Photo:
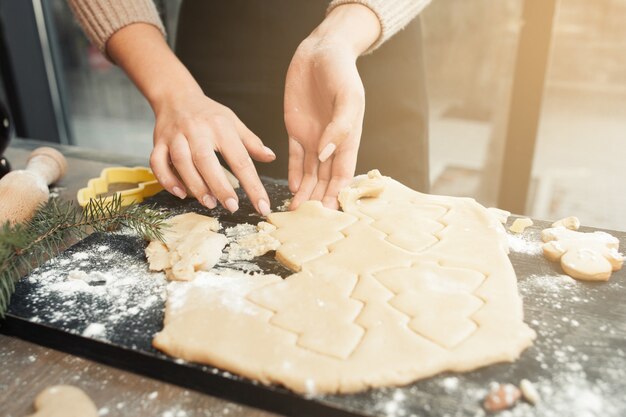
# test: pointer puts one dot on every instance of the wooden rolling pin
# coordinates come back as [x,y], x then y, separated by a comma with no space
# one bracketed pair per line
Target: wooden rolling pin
[22,191]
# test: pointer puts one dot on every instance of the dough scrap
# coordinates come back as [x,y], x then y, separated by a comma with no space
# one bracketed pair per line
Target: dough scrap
[570,222]
[251,245]
[190,244]
[64,401]
[519,225]
[585,256]
[397,287]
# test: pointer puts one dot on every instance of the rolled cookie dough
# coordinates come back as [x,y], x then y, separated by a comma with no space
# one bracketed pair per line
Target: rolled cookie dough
[190,244]
[64,401]
[397,287]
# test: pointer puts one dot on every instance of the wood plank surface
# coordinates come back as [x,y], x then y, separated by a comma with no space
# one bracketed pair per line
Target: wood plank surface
[27,369]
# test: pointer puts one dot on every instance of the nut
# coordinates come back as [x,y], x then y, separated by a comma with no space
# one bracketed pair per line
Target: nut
[529,392]
[501,397]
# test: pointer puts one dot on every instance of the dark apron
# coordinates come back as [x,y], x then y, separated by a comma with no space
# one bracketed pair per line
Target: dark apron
[239,52]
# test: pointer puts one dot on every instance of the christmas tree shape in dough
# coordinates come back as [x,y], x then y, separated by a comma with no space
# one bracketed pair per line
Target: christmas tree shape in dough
[397,287]
[333,331]
[439,300]
[306,233]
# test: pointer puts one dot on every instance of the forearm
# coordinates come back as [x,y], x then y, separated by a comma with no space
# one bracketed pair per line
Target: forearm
[353,25]
[101,19]
[141,51]
[393,15]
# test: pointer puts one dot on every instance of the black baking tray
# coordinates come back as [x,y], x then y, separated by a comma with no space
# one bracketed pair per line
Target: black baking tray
[578,361]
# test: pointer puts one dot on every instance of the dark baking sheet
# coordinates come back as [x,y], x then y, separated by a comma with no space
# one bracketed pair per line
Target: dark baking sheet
[578,361]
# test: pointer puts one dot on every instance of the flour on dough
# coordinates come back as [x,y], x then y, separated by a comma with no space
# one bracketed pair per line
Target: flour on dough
[397,287]
[64,401]
[501,215]
[190,244]
[586,256]
[256,242]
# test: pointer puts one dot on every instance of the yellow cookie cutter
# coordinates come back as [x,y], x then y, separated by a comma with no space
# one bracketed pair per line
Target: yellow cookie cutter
[147,185]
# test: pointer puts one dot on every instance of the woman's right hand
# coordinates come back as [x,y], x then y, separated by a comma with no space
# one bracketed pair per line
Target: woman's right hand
[190,128]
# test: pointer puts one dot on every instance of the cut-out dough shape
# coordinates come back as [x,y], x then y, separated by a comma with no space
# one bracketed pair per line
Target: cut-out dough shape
[306,233]
[438,299]
[370,305]
[190,244]
[586,256]
[64,401]
[324,319]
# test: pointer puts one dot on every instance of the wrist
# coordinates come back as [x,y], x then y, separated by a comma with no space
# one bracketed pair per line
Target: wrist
[171,93]
[353,26]
[140,49]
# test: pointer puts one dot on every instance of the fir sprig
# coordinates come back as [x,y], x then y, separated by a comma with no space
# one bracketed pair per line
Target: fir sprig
[55,224]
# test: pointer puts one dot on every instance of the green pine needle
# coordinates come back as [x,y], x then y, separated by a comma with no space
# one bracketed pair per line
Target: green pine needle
[55,224]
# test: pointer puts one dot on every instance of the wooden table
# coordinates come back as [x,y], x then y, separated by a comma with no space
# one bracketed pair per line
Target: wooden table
[28,368]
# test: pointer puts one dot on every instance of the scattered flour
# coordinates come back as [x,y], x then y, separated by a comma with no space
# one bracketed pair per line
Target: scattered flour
[247,241]
[99,286]
[284,206]
[521,243]
[95,330]
[228,283]
[450,383]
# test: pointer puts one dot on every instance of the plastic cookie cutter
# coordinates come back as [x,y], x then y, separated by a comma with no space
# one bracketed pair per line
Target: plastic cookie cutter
[117,180]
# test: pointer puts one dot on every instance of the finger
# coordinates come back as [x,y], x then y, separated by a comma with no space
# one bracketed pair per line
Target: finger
[253,144]
[209,167]
[160,164]
[347,117]
[295,169]
[309,180]
[181,156]
[323,178]
[344,165]
[238,159]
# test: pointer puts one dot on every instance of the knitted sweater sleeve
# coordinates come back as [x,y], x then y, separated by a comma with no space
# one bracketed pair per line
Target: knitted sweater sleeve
[393,15]
[101,19]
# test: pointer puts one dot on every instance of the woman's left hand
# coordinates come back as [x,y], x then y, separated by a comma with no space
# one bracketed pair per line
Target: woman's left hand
[325,104]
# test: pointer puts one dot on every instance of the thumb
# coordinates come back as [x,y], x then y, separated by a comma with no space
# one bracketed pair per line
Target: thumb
[342,126]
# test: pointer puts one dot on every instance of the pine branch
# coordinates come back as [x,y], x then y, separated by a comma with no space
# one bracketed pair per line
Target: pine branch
[23,246]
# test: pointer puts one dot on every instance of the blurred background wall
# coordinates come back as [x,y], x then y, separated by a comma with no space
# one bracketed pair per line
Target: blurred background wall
[471,51]
[581,142]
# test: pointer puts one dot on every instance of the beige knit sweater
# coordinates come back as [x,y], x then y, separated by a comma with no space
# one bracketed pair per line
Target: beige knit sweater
[101,19]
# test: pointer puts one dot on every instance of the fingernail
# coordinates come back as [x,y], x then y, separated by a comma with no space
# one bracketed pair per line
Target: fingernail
[269,151]
[327,152]
[209,201]
[231,205]
[178,192]
[264,207]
